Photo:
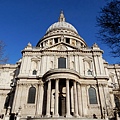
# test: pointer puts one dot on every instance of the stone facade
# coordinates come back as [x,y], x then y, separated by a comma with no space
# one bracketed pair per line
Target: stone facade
[60,78]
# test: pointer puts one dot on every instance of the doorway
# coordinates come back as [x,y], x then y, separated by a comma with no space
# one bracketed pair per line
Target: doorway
[62,105]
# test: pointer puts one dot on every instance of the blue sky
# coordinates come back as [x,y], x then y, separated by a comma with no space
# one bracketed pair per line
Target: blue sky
[23,21]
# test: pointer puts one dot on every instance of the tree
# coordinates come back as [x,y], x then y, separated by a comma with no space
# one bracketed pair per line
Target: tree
[109,26]
[3,58]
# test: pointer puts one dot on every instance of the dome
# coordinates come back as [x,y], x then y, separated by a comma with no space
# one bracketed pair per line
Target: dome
[61,24]
[61,32]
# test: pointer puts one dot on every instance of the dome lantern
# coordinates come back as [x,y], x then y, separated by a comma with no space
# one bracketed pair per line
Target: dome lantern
[61,18]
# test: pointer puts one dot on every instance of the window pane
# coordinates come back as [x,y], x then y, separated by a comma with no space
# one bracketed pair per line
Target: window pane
[92,96]
[56,40]
[67,40]
[34,72]
[61,62]
[89,72]
[31,95]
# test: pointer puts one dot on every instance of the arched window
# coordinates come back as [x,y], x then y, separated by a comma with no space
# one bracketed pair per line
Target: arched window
[61,62]
[89,72]
[92,95]
[31,95]
[34,72]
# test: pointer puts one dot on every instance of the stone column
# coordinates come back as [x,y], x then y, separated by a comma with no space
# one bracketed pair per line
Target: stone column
[52,101]
[79,99]
[75,100]
[53,42]
[67,99]
[72,100]
[48,99]
[40,99]
[56,98]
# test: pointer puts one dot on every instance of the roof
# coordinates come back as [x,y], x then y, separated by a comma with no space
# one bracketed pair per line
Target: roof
[61,24]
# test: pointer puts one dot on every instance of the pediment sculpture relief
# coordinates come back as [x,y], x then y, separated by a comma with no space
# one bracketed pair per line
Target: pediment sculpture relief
[62,47]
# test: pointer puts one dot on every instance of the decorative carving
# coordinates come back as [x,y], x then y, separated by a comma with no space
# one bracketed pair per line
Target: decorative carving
[36,59]
[27,84]
[73,43]
[29,106]
[89,59]
[62,47]
[50,42]
[110,113]
[95,45]
[62,38]
[93,106]
[40,82]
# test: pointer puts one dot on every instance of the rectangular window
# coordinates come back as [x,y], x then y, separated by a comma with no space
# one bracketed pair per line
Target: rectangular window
[56,40]
[68,40]
[61,62]
[42,45]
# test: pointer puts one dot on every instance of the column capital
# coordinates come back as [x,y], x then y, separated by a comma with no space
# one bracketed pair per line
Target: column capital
[49,80]
[57,79]
[40,83]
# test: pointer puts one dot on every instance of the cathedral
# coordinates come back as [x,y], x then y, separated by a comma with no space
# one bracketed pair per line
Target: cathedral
[60,78]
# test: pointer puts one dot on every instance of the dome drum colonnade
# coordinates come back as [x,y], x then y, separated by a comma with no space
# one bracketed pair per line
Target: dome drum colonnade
[65,92]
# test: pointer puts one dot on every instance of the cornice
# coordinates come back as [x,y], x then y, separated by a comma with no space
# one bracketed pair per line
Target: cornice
[59,34]
[41,52]
[28,77]
[9,66]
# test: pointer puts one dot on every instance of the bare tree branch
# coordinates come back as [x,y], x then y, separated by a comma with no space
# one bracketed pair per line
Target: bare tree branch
[109,23]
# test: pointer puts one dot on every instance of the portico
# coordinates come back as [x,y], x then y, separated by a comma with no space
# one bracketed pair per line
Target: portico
[62,93]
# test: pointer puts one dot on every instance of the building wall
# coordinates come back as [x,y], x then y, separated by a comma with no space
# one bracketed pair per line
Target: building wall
[7,73]
[80,62]
[104,75]
[38,68]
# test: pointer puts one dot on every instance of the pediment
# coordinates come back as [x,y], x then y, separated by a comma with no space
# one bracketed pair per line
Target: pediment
[61,47]
[36,58]
[86,58]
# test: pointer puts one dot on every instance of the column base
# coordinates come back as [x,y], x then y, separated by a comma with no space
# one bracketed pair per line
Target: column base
[57,115]
[76,115]
[7,117]
[68,116]
[18,118]
[48,115]
[106,118]
[38,116]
